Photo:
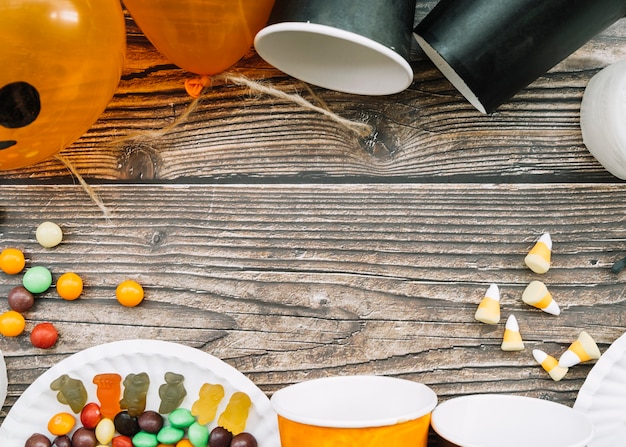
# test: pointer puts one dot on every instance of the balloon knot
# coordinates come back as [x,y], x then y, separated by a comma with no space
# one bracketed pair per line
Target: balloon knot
[195,86]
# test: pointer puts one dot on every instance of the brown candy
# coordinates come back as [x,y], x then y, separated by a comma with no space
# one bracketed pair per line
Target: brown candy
[220,437]
[20,299]
[38,440]
[243,440]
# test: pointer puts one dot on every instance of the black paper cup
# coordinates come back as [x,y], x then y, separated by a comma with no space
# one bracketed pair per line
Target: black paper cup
[491,49]
[359,47]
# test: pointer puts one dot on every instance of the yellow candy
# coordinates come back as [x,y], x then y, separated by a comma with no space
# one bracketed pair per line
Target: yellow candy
[205,408]
[235,415]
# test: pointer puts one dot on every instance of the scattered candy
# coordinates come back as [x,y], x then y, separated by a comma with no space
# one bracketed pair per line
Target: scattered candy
[69,286]
[172,392]
[126,424]
[62,441]
[129,293]
[71,392]
[135,393]
[44,336]
[235,414]
[12,261]
[550,365]
[38,440]
[108,392]
[220,437]
[243,440]
[181,418]
[12,323]
[90,415]
[537,295]
[20,299]
[582,350]
[121,441]
[37,279]
[105,430]
[205,408]
[170,435]
[512,340]
[488,311]
[198,435]
[538,258]
[143,439]
[150,421]
[83,437]
[61,424]
[49,234]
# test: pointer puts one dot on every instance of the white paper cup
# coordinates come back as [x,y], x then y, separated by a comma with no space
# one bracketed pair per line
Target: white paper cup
[496,420]
[363,411]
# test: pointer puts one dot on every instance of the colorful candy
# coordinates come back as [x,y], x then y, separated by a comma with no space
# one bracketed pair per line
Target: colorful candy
[61,424]
[181,418]
[108,392]
[143,439]
[172,392]
[488,311]
[71,392]
[550,365]
[69,286]
[538,258]
[37,279]
[105,430]
[20,299]
[236,412]
[170,435]
[512,340]
[129,293]
[38,440]
[150,421]
[12,261]
[44,336]
[537,295]
[198,435]
[205,408]
[243,440]
[582,350]
[49,234]
[12,323]
[220,437]
[135,393]
[90,415]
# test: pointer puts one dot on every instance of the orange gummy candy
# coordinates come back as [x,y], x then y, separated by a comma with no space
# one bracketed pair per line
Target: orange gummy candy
[235,414]
[108,392]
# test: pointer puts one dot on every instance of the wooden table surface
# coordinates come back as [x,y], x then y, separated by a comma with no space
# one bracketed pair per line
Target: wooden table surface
[269,236]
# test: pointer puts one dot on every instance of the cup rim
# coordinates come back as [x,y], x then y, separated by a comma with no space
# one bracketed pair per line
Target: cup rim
[393,61]
[449,429]
[358,384]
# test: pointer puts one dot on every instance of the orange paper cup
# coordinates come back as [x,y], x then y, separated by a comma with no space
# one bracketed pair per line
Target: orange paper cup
[364,411]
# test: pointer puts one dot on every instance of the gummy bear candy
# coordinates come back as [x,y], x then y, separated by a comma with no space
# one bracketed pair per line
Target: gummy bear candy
[205,408]
[108,392]
[172,392]
[235,414]
[135,393]
[71,392]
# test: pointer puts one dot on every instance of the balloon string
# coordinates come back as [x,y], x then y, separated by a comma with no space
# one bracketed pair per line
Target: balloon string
[195,88]
[88,189]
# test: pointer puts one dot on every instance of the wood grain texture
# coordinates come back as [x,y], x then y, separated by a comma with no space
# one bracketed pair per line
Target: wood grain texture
[271,237]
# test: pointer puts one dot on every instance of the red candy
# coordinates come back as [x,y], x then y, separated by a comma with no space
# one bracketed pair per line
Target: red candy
[90,415]
[122,441]
[44,336]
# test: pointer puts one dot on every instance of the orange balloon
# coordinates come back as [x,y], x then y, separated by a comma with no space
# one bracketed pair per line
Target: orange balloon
[204,37]
[61,63]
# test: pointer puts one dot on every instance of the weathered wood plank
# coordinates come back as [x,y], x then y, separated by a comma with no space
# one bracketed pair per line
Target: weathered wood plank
[287,283]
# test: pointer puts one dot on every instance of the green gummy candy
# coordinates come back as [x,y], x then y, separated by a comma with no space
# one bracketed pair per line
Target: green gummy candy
[170,435]
[181,418]
[198,435]
[37,279]
[145,439]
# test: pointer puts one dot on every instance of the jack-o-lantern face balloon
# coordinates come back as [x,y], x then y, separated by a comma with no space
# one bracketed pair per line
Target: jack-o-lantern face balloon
[61,63]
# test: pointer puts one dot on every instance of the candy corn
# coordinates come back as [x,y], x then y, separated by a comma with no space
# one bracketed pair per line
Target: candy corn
[582,350]
[488,311]
[512,340]
[538,258]
[537,295]
[550,365]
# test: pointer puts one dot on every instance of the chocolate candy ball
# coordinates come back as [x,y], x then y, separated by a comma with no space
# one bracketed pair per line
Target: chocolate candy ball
[150,421]
[83,437]
[243,440]
[62,441]
[220,437]
[20,299]
[38,440]
[125,424]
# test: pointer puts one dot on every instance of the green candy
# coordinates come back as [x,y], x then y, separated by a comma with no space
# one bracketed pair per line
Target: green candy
[37,279]
[145,439]
[181,418]
[170,435]
[198,435]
